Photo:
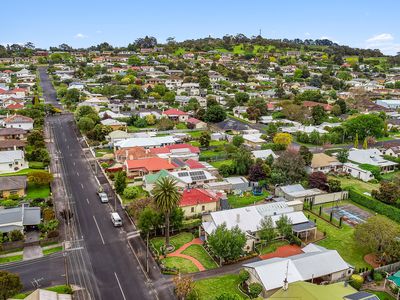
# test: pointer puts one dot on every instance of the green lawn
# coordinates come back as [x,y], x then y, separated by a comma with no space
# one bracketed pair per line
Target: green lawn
[101,152]
[52,250]
[382,295]
[246,199]
[198,252]
[8,259]
[36,165]
[210,288]
[219,163]
[184,265]
[177,240]
[358,185]
[195,134]
[390,176]
[37,191]
[21,172]
[271,247]
[342,240]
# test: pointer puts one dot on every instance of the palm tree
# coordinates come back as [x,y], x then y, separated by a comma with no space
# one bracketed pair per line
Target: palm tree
[166,197]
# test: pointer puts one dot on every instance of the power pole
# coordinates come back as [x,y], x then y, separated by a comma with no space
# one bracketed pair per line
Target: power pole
[147,253]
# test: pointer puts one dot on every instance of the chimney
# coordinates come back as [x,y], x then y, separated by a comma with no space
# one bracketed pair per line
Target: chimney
[237,218]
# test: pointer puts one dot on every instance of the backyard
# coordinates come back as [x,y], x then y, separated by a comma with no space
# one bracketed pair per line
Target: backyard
[37,191]
[358,185]
[271,247]
[246,199]
[210,288]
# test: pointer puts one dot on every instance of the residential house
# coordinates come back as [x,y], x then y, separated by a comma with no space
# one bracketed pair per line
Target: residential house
[371,157]
[76,85]
[297,192]
[392,151]
[357,172]
[193,178]
[323,163]
[18,121]
[249,218]
[117,136]
[114,124]
[12,185]
[393,104]
[176,115]
[196,123]
[12,161]
[198,201]
[182,151]
[146,142]
[254,140]
[264,154]
[150,180]
[12,134]
[18,218]
[238,183]
[232,125]
[311,104]
[132,154]
[315,264]
[137,168]
[10,144]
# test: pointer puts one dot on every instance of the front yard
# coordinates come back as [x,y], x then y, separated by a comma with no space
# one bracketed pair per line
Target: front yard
[211,288]
[198,252]
[271,247]
[246,199]
[184,265]
[177,241]
[37,191]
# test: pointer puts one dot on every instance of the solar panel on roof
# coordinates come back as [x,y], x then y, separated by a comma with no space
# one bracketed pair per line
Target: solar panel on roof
[183,174]
[196,173]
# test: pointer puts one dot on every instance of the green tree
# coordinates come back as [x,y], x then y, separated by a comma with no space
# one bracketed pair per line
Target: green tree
[204,82]
[284,227]
[254,289]
[237,140]
[72,96]
[134,60]
[205,139]
[242,161]
[131,192]
[242,97]
[318,114]
[365,144]
[40,177]
[227,243]
[306,155]
[120,182]
[166,197]
[365,125]
[86,124]
[288,168]
[376,235]
[266,230]
[215,114]
[342,155]
[10,285]
[356,141]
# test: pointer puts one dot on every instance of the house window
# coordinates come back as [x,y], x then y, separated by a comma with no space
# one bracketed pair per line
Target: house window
[203,207]
[192,210]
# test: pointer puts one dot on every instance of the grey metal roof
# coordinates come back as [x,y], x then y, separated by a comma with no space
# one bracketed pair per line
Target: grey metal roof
[31,216]
[10,215]
[361,296]
[303,226]
[5,229]
[12,183]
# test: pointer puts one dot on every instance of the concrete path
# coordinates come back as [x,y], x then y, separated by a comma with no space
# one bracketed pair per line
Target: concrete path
[178,253]
[32,252]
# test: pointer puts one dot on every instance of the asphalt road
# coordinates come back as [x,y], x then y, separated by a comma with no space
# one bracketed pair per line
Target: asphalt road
[102,261]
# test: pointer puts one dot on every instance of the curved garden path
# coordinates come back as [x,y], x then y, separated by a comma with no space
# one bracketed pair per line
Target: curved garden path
[178,253]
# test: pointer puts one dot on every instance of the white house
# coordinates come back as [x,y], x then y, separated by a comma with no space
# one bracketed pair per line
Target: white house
[12,161]
[263,154]
[315,263]
[357,172]
[146,142]
[76,85]
[372,157]
[18,121]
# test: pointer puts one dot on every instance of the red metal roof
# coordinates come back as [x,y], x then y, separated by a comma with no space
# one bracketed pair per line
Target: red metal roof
[174,112]
[150,164]
[197,196]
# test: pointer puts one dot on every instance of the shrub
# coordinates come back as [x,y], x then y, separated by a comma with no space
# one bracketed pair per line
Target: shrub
[131,192]
[48,214]
[378,276]
[53,234]
[9,203]
[243,275]
[15,235]
[255,289]
[356,281]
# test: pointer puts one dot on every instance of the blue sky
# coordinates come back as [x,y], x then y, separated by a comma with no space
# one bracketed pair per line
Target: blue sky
[359,23]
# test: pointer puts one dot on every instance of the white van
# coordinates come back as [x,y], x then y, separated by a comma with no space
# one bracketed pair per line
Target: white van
[116,219]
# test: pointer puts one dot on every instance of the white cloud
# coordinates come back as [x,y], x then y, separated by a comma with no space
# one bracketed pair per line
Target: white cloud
[80,36]
[307,34]
[381,38]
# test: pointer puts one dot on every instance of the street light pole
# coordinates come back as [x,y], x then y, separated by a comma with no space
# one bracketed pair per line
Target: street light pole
[147,253]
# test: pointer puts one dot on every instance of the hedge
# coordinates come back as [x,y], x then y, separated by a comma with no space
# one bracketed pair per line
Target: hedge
[377,206]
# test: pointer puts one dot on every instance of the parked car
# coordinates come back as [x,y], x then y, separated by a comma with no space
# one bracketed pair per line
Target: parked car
[103,197]
[116,219]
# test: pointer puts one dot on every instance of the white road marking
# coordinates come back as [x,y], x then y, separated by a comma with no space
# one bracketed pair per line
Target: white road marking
[77,173]
[74,163]
[97,225]
[82,186]
[119,284]
[87,200]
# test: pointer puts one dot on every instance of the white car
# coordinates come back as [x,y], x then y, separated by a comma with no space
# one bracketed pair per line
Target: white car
[116,219]
[103,197]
